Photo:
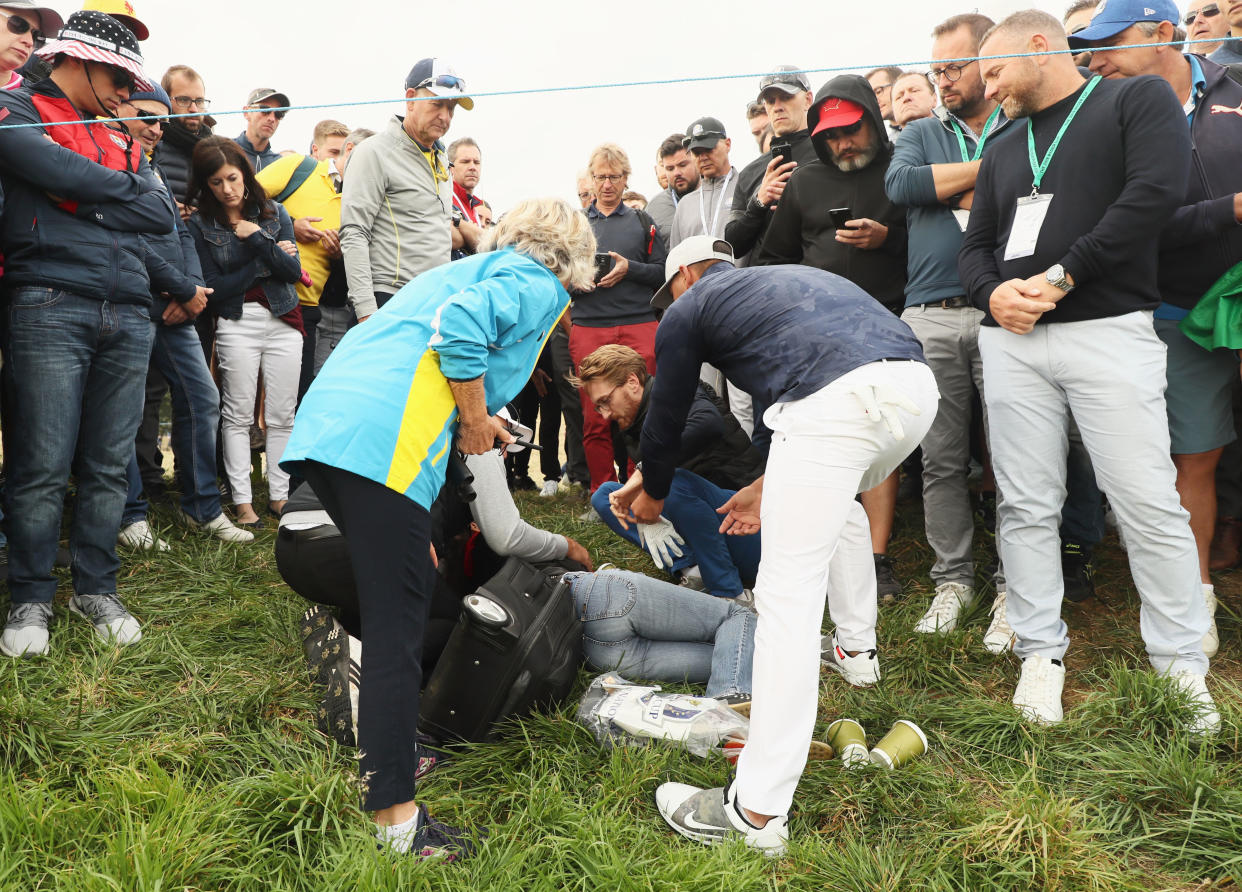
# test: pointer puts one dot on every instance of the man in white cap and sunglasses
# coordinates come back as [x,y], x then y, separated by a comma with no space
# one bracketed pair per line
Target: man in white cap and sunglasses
[844,395]
[78,197]
[396,205]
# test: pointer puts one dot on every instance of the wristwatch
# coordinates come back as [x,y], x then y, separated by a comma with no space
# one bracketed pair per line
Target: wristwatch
[1057,277]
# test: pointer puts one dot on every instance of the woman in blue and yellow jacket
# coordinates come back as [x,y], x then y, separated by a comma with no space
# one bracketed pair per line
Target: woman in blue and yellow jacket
[424,375]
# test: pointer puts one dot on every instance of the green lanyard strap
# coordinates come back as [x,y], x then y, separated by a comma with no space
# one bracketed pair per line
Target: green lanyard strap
[1039,168]
[983,137]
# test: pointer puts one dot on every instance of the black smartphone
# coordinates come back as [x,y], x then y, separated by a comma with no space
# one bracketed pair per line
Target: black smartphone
[603,265]
[782,150]
[839,216]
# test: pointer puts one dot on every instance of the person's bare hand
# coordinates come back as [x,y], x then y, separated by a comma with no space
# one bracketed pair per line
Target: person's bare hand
[774,179]
[579,554]
[288,247]
[480,437]
[620,500]
[645,509]
[864,233]
[617,273]
[540,379]
[304,230]
[184,210]
[198,302]
[1016,305]
[245,228]
[742,510]
[331,241]
[175,314]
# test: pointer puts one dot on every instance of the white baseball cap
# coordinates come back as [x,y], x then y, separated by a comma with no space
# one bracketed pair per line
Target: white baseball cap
[692,250]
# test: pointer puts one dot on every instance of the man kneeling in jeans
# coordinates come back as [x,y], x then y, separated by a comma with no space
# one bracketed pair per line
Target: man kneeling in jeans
[842,385]
[715,460]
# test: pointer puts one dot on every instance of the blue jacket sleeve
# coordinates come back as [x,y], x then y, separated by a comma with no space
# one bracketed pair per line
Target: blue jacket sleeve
[225,283]
[281,266]
[152,212]
[166,277]
[679,354]
[909,179]
[487,312]
[25,153]
[704,427]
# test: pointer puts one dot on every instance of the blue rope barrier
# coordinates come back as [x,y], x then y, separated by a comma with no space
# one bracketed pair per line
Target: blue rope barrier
[579,88]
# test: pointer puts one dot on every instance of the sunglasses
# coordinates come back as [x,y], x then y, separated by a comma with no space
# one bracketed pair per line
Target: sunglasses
[848,130]
[451,81]
[150,117]
[121,79]
[18,25]
[279,115]
[1208,12]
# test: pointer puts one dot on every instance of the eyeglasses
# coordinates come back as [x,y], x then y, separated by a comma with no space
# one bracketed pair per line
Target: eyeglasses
[279,115]
[191,102]
[452,81]
[605,401]
[950,72]
[880,88]
[708,134]
[18,25]
[848,130]
[583,196]
[608,177]
[1210,11]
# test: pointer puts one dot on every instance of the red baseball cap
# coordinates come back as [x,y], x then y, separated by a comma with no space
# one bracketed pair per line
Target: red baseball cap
[837,112]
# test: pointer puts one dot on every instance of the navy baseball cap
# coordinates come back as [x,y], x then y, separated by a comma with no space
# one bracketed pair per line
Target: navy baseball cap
[1114,16]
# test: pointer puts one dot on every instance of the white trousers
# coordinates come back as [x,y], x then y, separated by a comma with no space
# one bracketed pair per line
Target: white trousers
[258,341]
[1110,373]
[817,544]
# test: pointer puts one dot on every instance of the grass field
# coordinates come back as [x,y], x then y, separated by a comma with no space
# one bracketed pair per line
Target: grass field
[191,761]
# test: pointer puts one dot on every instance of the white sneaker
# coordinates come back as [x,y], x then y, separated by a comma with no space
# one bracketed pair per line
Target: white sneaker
[1206,719]
[945,608]
[1038,695]
[712,816]
[25,633]
[860,670]
[549,488]
[1211,641]
[998,639]
[220,527]
[113,623]
[138,535]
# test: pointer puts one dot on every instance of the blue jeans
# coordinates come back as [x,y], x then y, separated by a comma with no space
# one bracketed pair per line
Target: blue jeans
[178,355]
[79,379]
[650,629]
[727,563]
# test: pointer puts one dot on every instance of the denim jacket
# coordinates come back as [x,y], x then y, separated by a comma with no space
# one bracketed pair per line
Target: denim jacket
[233,266]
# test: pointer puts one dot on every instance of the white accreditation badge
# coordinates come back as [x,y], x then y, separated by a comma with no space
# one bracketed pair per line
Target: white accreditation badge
[962,216]
[1028,219]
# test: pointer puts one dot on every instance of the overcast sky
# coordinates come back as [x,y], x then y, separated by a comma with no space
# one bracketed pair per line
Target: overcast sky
[342,53]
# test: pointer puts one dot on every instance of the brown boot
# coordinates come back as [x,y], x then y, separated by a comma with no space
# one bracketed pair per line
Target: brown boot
[1226,544]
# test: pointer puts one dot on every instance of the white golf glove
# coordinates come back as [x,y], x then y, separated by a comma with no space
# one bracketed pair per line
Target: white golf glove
[881,403]
[661,541]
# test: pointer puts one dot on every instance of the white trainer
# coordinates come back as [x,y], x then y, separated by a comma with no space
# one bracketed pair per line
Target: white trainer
[713,816]
[946,607]
[1038,695]
[1206,718]
[113,623]
[138,535]
[1211,641]
[25,632]
[220,527]
[860,670]
[549,488]
[998,639]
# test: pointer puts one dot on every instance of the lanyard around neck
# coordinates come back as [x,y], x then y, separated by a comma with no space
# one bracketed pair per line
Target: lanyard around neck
[983,137]
[719,205]
[1039,168]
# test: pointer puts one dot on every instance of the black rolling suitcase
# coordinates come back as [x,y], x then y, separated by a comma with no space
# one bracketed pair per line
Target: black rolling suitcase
[517,645]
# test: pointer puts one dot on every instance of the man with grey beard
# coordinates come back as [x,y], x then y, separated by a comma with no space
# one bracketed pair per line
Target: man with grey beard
[835,215]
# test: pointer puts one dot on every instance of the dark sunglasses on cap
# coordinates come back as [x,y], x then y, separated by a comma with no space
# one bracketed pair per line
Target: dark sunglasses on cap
[451,81]
[18,25]
[1210,11]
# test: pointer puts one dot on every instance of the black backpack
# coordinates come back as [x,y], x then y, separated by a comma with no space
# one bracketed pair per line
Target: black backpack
[517,645]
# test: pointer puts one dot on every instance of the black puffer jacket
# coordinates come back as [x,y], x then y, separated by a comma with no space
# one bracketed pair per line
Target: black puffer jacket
[713,444]
[802,231]
[173,154]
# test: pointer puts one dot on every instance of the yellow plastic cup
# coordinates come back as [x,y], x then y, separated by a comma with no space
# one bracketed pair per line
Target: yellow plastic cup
[847,737]
[903,743]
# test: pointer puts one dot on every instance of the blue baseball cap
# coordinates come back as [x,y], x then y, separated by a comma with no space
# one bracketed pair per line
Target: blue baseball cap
[1114,16]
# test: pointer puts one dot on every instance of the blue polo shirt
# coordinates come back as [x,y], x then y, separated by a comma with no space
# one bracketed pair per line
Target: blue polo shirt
[629,301]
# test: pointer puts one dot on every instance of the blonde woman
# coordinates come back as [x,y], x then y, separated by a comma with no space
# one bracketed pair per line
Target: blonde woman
[424,375]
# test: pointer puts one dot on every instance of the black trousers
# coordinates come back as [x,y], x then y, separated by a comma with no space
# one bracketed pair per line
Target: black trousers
[388,537]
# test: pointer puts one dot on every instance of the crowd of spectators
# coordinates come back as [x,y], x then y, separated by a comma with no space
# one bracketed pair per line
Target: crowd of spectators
[1039,230]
